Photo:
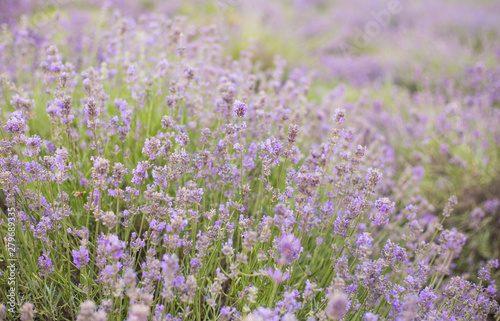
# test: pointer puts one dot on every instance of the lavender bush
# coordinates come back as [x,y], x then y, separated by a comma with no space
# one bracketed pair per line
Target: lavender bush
[148,174]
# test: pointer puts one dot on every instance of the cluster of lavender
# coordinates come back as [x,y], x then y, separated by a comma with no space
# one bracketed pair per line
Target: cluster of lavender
[451,130]
[155,177]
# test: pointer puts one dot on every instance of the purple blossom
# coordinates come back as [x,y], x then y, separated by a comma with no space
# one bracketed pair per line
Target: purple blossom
[114,247]
[337,304]
[92,112]
[418,172]
[385,209]
[493,264]
[277,276]
[363,245]
[80,257]
[393,252]
[339,116]
[427,298]
[152,148]
[16,124]
[369,316]
[23,104]
[45,264]
[452,241]
[33,144]
[240,109]
[484,273]
[140,172]
[288,249]
[492,205]
[262,313]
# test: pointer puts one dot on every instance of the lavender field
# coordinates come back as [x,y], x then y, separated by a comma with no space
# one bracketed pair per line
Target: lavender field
[249,160]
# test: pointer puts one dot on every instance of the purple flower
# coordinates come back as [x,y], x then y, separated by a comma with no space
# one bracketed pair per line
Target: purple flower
[476,216]
[452,201]
[262,313]
[418,172]
[493,264]
[92,113]
[339,116]
[373,178]
[33,144]
[370,317]
[45,264]
[337,304]
[427,298]
[159,311]
[363,245]
[277,276]
[288,249]
[114,247]
[492,205]
[140,173]
[23,104]
[151,147]
[289,304]
[444,149]
[240,109]
[169,266]
[195,265]
[16,124]
[484,273]
[182,139]
[385,208]
[81,257]
[452,241]
[393,252]
[226,313]
[293,131]
[125,111]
